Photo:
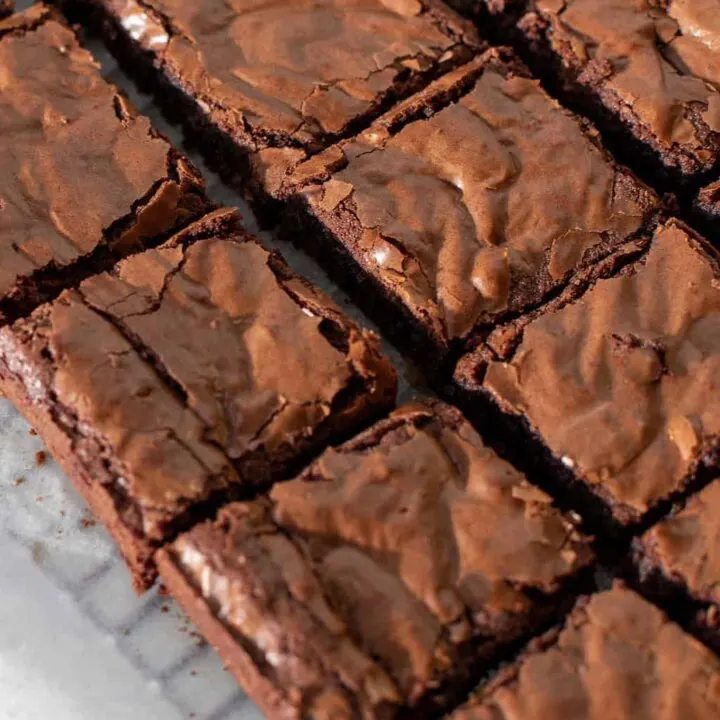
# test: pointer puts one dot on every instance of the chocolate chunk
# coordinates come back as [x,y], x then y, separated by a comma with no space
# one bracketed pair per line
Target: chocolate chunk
[618,387]
[618,657]
[462,213]
[190,373]
[84,178]
[381,577]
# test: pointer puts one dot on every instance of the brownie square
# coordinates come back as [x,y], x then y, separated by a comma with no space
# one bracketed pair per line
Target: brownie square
[291,75]
[647,70]
[85,180]
[468,203]
[676,563]
[200,370]
[613,393]
[616,657]
[378,580]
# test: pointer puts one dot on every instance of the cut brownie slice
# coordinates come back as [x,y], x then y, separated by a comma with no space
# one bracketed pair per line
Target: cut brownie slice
[617,657]
[468,203]
[84,179]
[648,69]
[677,562]
[149,381]
[614,393]
[376,581]
[292,74]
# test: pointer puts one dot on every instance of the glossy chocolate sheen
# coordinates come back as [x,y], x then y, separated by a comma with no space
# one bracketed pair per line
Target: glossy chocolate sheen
[376,576]
[80,170]
[204,353]
[617,657]
[655,63]
[476,210]
[291,72]
[621,384]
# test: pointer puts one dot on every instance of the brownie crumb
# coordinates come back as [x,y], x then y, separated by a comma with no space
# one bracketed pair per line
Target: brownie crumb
[40,458]
[32,431]
[87,523]
[165,609]
[19,481]
[162,590]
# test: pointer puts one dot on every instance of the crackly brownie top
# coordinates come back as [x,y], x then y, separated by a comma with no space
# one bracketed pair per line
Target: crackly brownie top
[663,63]
[618,657]
[262,357]
[296,69]
[622,383]
[75,158]
[686,546]
[481,208]
[361,577]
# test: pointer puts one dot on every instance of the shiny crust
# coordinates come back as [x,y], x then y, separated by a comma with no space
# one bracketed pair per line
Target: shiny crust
[84,177]
[472,201]
[651,64]
[619,384]
[617,657]
[382,575]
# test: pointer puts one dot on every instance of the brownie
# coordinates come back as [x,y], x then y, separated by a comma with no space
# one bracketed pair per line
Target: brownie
[378,580]
[85,179]
[467,204]
[647,70]
[6,7]
[612,392]
[617,657]
[294,74]
[196,371]
[676,563]
[706,208]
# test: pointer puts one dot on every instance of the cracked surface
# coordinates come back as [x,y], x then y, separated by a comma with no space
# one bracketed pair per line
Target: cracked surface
[479,210]
[79,168]
[617,657]
[246,343]
[382,571]
[293,71]
[621,384]
[685,547]
[654,62]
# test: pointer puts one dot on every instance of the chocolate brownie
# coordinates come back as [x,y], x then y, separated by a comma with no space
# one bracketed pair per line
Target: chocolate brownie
[617,657]
[613,393]
[83,178]
[6,7]
[676,562]
[292,74]
[150,382]
[706,208]
[467,204]
[382,576]
[648,70]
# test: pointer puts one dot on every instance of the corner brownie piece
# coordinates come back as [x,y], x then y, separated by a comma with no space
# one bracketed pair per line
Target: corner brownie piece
[292,74]
[677,562]
[150,381]
[468,203]
[614,392]
[649,69]
[84,179]
[617,657]
[376,581]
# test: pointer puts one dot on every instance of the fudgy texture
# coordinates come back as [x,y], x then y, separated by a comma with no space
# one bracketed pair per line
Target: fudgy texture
[82,178]
[149,381]
[289,73]
[467,212]
[617,657]
[678,561]
[375,581]
[649,67]
[620,386]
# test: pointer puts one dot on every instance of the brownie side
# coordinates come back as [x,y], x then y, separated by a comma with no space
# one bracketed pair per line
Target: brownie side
[614,639]
[90,181]
[675,563]
[651,385]
[147,40]
[641,71]
[378,581]
[446,208]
